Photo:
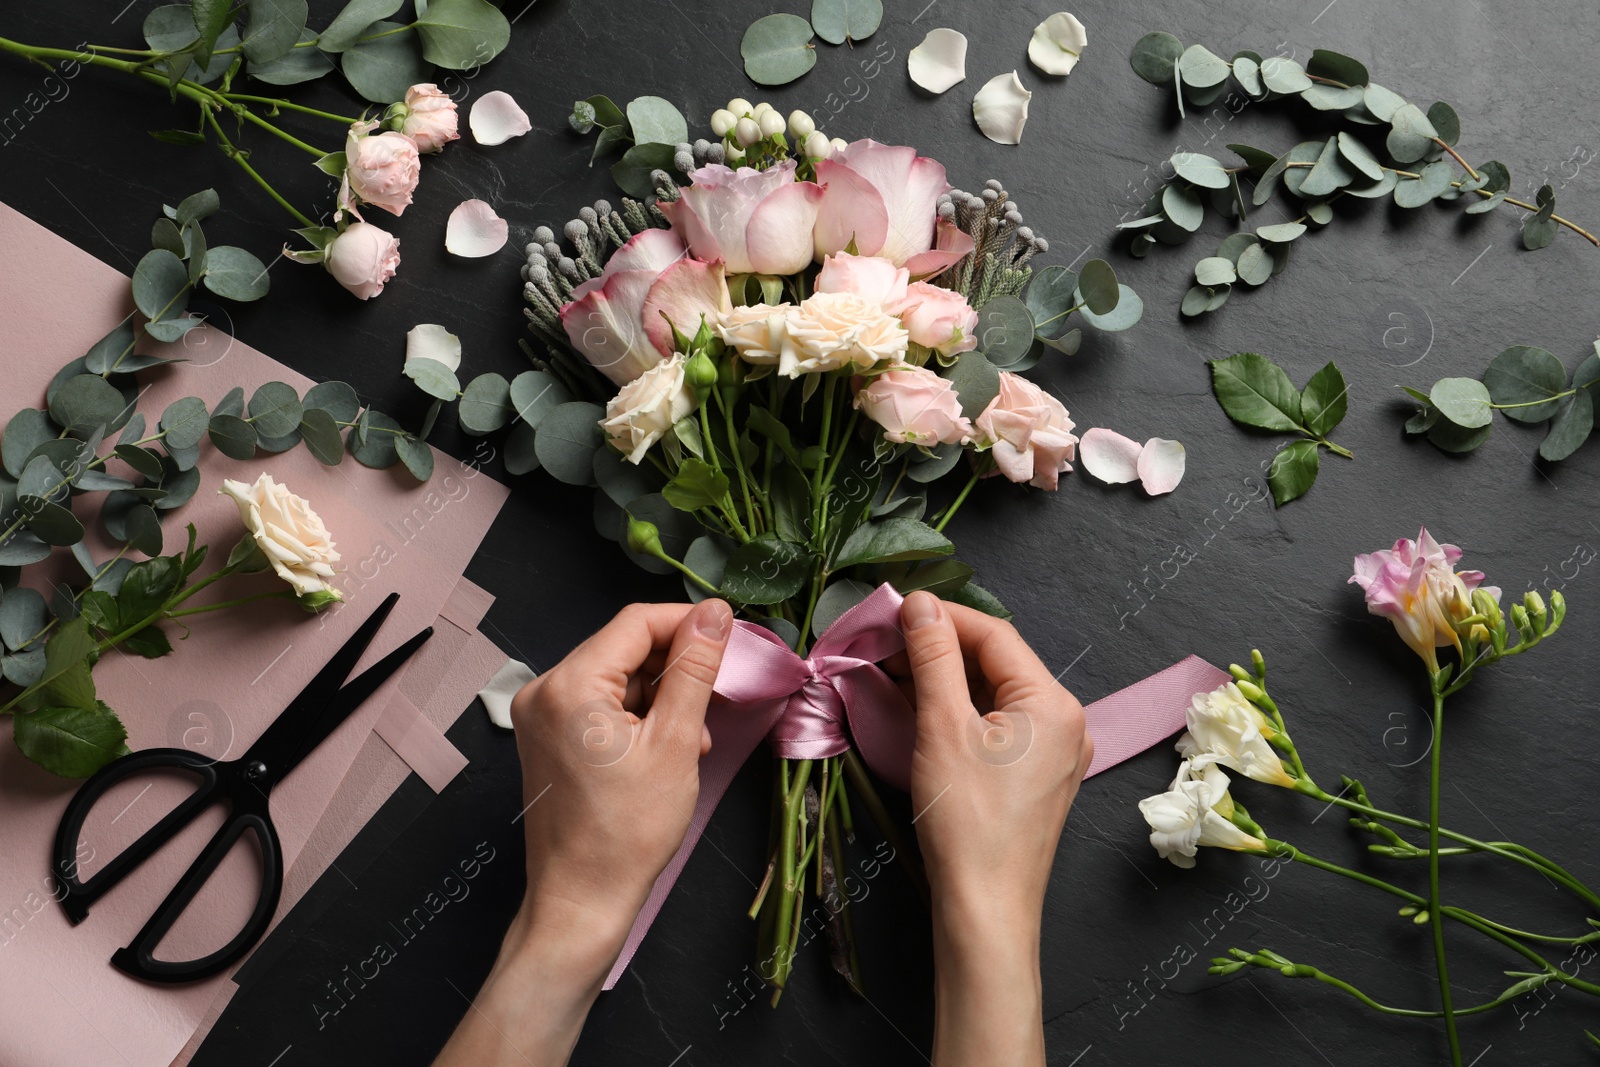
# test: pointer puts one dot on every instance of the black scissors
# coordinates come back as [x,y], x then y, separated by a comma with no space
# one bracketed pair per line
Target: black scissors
[245,784]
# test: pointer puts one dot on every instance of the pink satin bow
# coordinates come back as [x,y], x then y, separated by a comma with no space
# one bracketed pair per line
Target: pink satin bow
[802,707]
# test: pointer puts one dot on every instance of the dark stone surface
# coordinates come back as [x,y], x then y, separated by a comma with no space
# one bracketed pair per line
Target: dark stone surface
[1394,299]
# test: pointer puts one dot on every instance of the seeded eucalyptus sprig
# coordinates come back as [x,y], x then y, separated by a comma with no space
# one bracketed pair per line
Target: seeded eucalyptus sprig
[1523,383]
[1408,165]
[1256,392]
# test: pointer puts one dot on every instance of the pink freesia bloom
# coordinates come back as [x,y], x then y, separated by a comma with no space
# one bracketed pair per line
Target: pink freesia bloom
[950,243]
[938,318]
[755,221]
[1028,431]
[614,319]
[431,118]
[872,278]
[382,168]
[884,197]
[1415,587]
[363,258]
[915,406]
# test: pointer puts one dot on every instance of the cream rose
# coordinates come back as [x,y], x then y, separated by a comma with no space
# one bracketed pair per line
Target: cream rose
[290,535]
[833,330]
[647,407]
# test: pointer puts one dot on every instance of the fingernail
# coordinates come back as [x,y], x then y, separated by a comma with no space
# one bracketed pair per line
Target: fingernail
[712,618]
[921,609]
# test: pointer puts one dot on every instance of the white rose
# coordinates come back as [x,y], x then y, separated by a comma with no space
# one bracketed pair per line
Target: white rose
[833,330]
[646,408]
[1195,812]
[1231,730]
[759,333]
[289,534]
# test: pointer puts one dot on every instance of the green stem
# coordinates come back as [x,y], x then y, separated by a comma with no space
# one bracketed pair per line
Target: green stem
[234,154]
[788,882]
[279,594]
[1435,915]
[288,105]
[738,462]
[1410,1013]
[880,816]
[960,499]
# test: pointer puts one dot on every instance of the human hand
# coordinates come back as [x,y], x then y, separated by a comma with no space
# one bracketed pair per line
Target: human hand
[1000,752]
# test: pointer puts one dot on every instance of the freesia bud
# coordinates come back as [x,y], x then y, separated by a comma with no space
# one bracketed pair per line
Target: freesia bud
[747,132]
[1259,663]
[723,121]
[817,145]
[771,124]
[1239,673]
[1251,691]
[800,125]
[1536,609]
[739,106]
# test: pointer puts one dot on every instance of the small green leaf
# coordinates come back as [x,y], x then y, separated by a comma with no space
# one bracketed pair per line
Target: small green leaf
[632,172]
[656,121]
[836,599]
[1570,427]
[150,642]
[159,283]
[1202,68]
[1204,171]
[54,524]
[1464,401]
[233,437]
[1449,437]
[1410,134]
[1155,56]
[27,430]
[185,422]
[302,64]
[1255,265]
[1215,270]
[837,21]
[1446,123]
[1183,206]
[71,742]
[375,448]
[144,529]
[1293,471]
[1098,284]
[235,274]
[978,598]
[1337,67]
[336,398]
[1524,382]
[890,541]
[1283,75]
[433,377]
[321,435]
[1414,192]
[275,410]
[567,440]
[696,486]
[1049,297]
[417,455]
[1324,400]
[521,451]
[1005,330]
[1256,392]
[22,615]
[1360,157]
[1128,311]
[485,405]
[777,49]
[1281,233]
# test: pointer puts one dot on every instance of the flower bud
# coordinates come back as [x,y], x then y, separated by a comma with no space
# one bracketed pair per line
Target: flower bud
[1259,662]
[644,538]
[315,602]
[1251,691]
[1536,609]
[747,132]
[739,106]
[801,125]
[817,145]
[839,144]
[723,122]
[1239,673]
[759,110]
[771,124]
[734,155]
[701,374]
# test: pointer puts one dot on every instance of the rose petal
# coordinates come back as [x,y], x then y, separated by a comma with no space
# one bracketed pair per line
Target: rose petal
[496,118]
[686,292]
[430,341]
[1057,43]
[1160,466]
[950,244]
[1001,108]
[1109,456]
[940,61]
[474,230]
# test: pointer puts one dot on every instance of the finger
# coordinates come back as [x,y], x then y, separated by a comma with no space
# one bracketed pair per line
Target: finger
[1003,659]
[617,650]
[679,709]
[934,652]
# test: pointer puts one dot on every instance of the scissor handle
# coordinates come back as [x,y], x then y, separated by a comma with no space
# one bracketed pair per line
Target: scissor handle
[76,895]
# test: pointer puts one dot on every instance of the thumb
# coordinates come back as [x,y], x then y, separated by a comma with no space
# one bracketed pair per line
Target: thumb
[679,709]
[934,652]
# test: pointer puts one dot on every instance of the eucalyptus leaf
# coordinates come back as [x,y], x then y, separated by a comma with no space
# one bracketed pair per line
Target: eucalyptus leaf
[1381,102]
[1331,97]
[1281,233]
[338,399]
[1202,68]
[298,65]
[417,456]
[1183,206]
[931,468]
[185,422]
[1255,265]
[21,549]
[1525,382]
[321,435]
[235,274]
[976,381]
[377,448]
[462,34]
[657,121]
[144,529]
[1448,437]
[1414,192]
[567,440]
[1128,311]
[432,377]
[233,437]
[1337,67]
[353,21]
[1049,297]
[632,172]
[1446,123]
[381,69]
[707,556]
[486,405]
[1283,75]
[275,410]
[837,21]
[838,598]
[159,283]
[1155,56]
[1569,428]
[22,615]
[777,49]
[28,429]
[271,28]
[1411,134]
[1098,285]
[521,450]
[622,481]
[1005,330]
[85,403]
[1359,156]
[1215,270]
[1247,72]
[1464,401]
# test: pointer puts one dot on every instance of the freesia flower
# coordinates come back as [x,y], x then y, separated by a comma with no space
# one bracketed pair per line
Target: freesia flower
[1028,432]
[938,318]
[363,258]
[431,119]
[872,278]
[885,198]
[914,406]
[289,535]
[1226,728]
[755,221]
[1415,586]
[1195,812]
[615,319]
[382,168]
[647,407]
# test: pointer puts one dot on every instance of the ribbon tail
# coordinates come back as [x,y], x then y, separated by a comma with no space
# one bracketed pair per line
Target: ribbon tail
[1131,720]
[736,732]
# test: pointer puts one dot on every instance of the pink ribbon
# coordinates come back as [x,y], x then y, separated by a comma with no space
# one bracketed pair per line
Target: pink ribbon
[802,707]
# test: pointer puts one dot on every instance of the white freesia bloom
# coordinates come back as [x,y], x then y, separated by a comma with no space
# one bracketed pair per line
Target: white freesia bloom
[1226,727]
[289,534]
[646,408]
[1194,812]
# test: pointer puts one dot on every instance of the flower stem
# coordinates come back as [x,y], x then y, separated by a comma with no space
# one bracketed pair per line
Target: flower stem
[288,105]
[1435,916]
[278,594]
[961,498]
[234,154]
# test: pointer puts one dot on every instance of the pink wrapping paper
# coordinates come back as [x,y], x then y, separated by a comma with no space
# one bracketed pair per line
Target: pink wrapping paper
[60,1000]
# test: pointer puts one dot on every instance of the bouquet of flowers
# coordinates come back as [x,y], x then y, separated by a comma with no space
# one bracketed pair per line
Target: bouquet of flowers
[769,372]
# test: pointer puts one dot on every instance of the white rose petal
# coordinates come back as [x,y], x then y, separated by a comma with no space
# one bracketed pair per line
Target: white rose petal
[1001,108]
[496,118]
[940,61]
[1109,456]
[1161,466]
[430,341]
[474,230]
[1057,43]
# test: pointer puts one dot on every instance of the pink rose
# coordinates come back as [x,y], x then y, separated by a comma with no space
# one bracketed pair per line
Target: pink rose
[938,318]
[885,198]
[363,258]
[755,221]
[915,406]
[1415,587]
[382,168]
[430,117]
[616,320]
[872,278]
[1028,432]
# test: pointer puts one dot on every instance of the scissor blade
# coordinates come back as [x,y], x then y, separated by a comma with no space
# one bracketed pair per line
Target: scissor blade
[354,694]
[280,746]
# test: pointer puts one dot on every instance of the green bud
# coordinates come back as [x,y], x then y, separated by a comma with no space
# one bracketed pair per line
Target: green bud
[1421,918]
[703,336]
[1536,610]
[1408,911]
[701,374]
[1519,617]
[1239,673]
[1558,611]
[1259,663]
[315,602]
[644,538]
[394,116]
[1251,691]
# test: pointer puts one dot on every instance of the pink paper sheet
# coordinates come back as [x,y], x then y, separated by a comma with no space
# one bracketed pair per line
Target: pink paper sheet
[60,1000]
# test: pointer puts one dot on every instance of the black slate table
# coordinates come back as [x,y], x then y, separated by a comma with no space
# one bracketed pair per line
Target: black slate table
[1107,585]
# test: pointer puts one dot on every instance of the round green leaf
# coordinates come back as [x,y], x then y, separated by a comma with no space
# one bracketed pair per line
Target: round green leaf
[707,556]
[656,121]
[521,450]
[86,403]
[417,455]
[275,410]
[1128,311]
[177,486]
[1569,429]
[837,21]
[1340,68]
[1098,284]
[1202,68]
[835,600]
[1202,170]
[622,481]
[233,437]
[55,525]
[1522,380]
[632,172]
[976,381]
[485,405]
[321,435]
[377,450]
[1005,330]
[1283,75]
[22,615]
[1050,295]
[1380,188]
[272,28]
[1381,102]
[1215,270]
[185,422]
[298,65]
[1331,97]
[1183,206]
[1464,401]
[1360,156]
[1414,192]
[383,68]
[777,49]
[432,377]
[159,282]
[353,22]
[336,398]
[1445,122]
[567,440]
[1154,57]
[144,529]
[1410,134]
[1255,266]
[235,274]
[462,34]
[1449,437]
[1281,233]
[1248,73]
[27,430]
[1196,301]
